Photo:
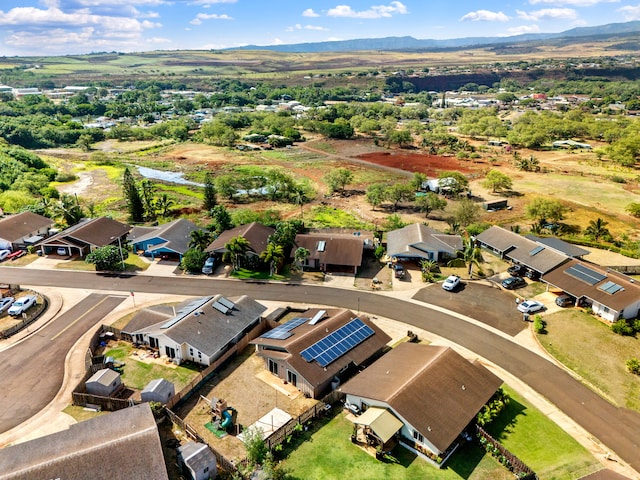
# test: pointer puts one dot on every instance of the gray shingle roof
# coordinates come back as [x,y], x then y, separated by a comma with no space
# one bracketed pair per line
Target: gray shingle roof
[176,235]
[417,240]
[117,446]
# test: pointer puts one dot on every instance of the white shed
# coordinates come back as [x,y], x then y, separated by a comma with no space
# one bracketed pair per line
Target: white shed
[158,390]
[104,382]
[197,461]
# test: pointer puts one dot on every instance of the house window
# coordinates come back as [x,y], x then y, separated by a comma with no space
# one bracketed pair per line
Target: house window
[605,309]
[191,352]
[199,354]
[273,367]
[418,436]
[292,378]
[206,469]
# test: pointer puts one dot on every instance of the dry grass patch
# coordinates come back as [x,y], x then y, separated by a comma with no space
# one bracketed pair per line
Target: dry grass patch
[587,346]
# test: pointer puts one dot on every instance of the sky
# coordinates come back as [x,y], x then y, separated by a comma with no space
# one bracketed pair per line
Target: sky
[67,27]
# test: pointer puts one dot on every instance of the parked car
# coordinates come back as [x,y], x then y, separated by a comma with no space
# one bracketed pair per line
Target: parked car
[565,300]
[4,254]
[62,251]
[532,274]
[5,303]
[530,306]
[512,283]
[22,304]
[207,269]
[398,269]
[16,254]
[516,270]
[451,283]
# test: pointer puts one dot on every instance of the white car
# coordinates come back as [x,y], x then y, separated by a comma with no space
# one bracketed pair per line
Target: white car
[451,283]
[22,304]
[530,306]
[5,303]
[4,254]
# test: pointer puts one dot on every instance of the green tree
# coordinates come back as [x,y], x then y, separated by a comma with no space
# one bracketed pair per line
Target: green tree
[300,256]
[147,192]
[221,220]
[418,179]
[226,185]
[273,255]
[217,133]
[254,445]
[163,204]
[597,229]
[471,254]
[210,199]
[68,209]
[399,192]
[338,179]
[459,184]
[543,209]
[393,222]
[375,194]
[200,239]
[285,233]
[193,260]
[85,141]
[633,209]
[236,251]
[107,258]
[496,180]
[132,195]
[466,212]
[430,202]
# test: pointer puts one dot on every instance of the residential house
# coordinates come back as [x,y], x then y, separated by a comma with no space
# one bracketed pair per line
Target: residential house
[255,233]
[513,247]
[203,329]
[196,461]
[433,391]
[316,350]
[334,250]
[107,447]
[610,294]
[418,242]
[170,240]
[23,229]
[105,383]
[86,236]
[560,246]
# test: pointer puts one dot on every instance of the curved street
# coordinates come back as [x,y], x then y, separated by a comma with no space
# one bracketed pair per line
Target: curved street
[617,428]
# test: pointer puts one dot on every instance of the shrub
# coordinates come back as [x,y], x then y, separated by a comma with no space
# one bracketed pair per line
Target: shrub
[633,365]
[622,327]
[539,325]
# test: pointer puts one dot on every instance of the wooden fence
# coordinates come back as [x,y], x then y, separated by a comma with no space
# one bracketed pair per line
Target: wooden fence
[504,456]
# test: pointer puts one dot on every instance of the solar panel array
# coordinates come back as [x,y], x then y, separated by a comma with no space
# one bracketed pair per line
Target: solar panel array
[536,250]
[611,287]
[336,344]
[585,274]
[282,332]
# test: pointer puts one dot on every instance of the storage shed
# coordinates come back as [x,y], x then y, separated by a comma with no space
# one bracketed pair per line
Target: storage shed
[105,383]
[197,461]
[498,204]
[158,390]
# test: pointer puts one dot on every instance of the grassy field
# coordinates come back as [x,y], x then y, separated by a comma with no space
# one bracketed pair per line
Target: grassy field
[589,347]
[327,453]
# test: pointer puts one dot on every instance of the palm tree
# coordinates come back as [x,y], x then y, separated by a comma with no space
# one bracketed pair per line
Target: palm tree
[236,251]
[164,204]
[301,255]
[471,254]
[274,256]
[427,267]
[597,229]
[200,239]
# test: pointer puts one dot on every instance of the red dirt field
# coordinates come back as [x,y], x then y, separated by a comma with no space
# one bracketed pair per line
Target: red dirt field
[430,165]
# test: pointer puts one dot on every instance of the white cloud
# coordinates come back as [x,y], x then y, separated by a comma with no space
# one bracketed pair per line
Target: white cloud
[630,12]
[523,29]
[485,16]
[299,26]
[206,3]
[548,13]
[375,11]
[576,3]
[209,16]
[310,13]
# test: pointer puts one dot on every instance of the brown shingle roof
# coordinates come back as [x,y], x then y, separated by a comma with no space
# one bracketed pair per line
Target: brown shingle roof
[255,233]
[433,388]
[338,249]
[15,227]
[96,231]
[306,335]
[117,446]
[617,301]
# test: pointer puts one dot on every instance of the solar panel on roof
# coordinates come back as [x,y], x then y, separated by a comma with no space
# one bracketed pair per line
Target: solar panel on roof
[317,317]
[226,302]
[282,332]
[220,307]
[611,287]
[336,344]
[536,251]
[585,274]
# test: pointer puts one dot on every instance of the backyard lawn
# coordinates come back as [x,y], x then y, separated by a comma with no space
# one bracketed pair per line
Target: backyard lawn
[137,374]
[328,453]
[588,347]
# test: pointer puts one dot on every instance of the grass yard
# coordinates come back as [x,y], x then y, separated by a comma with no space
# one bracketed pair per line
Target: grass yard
[327,453]
[325,217]
[137,374]
[589,347]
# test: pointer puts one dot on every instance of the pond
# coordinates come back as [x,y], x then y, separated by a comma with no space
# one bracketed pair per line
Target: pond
[166,176]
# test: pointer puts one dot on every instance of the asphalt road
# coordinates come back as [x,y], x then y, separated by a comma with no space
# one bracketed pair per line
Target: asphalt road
[618,428]
[33,370]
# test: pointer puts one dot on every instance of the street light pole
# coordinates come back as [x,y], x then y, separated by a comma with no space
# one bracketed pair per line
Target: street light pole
[120,247]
